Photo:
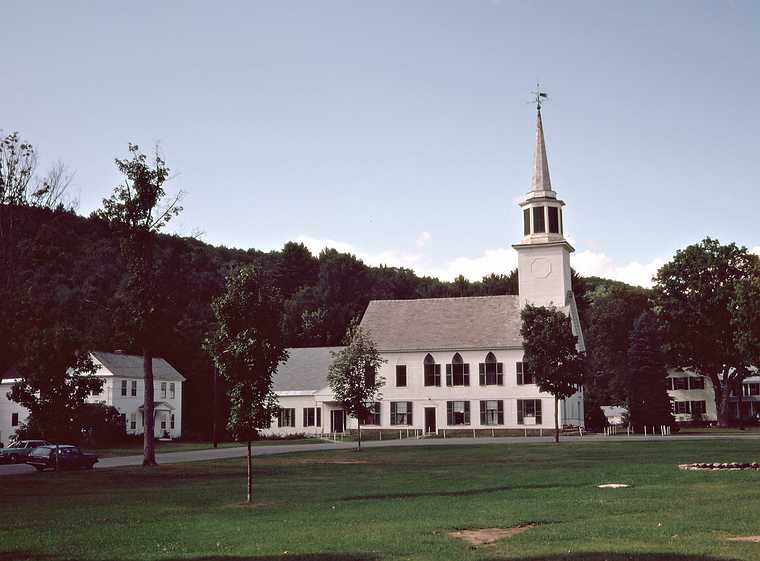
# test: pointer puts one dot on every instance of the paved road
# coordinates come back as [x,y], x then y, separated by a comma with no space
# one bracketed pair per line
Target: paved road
[227,453]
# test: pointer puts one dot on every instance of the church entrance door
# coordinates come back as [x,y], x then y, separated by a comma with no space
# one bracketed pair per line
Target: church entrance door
[429,420]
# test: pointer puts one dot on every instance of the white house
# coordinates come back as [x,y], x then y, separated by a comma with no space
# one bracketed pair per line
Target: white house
[693,395]
[124,389]
[452,363]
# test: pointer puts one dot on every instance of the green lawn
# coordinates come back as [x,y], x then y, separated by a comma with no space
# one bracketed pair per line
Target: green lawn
[164,447]
[397,503]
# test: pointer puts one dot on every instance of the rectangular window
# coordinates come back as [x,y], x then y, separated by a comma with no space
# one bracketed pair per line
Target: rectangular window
[134,388]
[458,413]
[458,374]
[491,373]
[163,390]
[432,374]
[681,383]
[751,389]
[526,222]
[696,383]
[561,230]
[172,391]
[698,407]
[286,417]
[124,388]
[492,412]
[312,417]
[523,376]
[529,412]
[553,220]
[132,422]
[374,416]
[401,375]
[401,412]
[539,226]
[669,383]
[14,419]
[172,422]
[163,423]
[682,408]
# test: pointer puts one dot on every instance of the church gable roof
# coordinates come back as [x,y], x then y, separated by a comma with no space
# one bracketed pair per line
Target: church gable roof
[444,323]
[305,369]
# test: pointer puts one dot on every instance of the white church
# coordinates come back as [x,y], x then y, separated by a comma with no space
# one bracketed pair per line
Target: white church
[453,364]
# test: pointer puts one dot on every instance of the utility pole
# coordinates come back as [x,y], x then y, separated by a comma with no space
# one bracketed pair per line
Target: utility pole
[213,411]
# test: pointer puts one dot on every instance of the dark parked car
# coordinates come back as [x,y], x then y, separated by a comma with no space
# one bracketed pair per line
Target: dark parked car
[18,451]
[69,457]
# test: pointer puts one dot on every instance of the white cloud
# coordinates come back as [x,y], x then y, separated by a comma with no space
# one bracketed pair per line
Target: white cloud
[499,261]
[592,263]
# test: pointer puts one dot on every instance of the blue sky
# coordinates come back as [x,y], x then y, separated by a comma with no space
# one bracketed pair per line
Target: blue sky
[400,130]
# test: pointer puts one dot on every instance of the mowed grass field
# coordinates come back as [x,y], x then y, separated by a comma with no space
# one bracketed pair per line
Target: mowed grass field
[397,504]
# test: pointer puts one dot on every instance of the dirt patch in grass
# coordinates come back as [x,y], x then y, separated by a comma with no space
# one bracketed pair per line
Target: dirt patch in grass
[483,536]
[752,539]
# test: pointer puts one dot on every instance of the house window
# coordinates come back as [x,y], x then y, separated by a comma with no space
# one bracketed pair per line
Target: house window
[286,418]
[163,391]
[401,375]
[458,413]
[172,391]
[698,408]
[523,376]
[526,222]
[373,418]
[401,412]
[491,372]
[432,372]
[492,412]
[312,417]
[163,423]
[539,225]
[14,419]
[751,389]
[529,412]
[134,388]
[553,220]
[669,383]
[132,422]
[124,388]
[172,422]
[681,407]
[458,372]
[696,383]
[681,383]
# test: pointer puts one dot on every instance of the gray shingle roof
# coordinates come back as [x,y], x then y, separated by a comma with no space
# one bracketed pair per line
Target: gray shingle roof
[444,323]
[305,369]
[131,366]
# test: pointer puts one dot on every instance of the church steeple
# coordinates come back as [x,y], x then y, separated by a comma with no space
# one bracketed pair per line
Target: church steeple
[543,254]
[541,180]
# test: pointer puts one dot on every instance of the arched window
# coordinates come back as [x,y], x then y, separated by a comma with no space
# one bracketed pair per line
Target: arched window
[458,372]
[491,372]
[432,371]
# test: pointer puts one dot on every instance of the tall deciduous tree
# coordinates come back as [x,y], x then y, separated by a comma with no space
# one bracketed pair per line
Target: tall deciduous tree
[247,348]
[55,379]
[695,294]
[551,354]
[137,211]
[353,375]
[648,401]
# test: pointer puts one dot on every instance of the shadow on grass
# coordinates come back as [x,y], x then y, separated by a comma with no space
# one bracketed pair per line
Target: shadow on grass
[578,556]
[462,493]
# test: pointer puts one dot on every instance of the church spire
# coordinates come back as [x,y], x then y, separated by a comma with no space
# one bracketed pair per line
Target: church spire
[541,180]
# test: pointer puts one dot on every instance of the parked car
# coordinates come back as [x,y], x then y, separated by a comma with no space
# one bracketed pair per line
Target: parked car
[18,451]
[68,457]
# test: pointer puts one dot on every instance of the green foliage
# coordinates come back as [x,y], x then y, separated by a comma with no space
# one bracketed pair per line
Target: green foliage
[613,309]
[353,375]
[550,351]
[247,347]
[695,295]
[745,316]
[648,401]
[55,379]
[101,425]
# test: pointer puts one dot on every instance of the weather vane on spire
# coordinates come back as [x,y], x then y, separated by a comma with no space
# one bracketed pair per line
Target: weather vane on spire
[540,96]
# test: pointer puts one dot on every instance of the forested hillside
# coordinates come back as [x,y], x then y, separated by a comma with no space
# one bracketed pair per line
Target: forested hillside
[70,272]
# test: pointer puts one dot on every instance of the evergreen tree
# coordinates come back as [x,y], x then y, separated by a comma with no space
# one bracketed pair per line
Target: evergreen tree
[648,401]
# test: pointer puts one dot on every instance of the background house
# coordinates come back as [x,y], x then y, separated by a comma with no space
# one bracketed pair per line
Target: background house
[124,389]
